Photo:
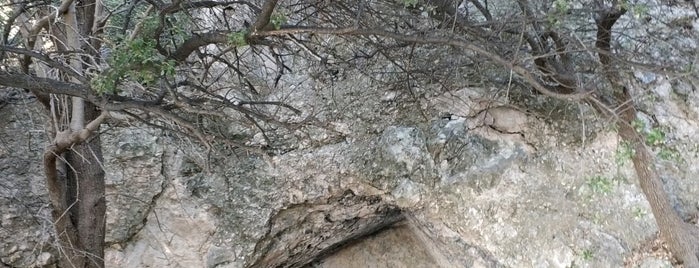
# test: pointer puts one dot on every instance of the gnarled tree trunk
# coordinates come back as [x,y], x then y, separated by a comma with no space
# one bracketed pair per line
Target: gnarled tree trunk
[77,196]
[73,163]
[86,189]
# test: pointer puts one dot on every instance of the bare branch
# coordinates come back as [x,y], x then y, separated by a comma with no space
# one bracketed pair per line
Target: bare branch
[8,25]
[199,40]
[520,70]
[277,103]
[44,21]
[173,8]
[264,17]
[45,85]
[160,111]
[51,62]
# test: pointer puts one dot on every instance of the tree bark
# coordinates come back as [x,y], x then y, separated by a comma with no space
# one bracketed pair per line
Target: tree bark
[77,204]
[85,175]
[85,182]
[681,237]
[66,232]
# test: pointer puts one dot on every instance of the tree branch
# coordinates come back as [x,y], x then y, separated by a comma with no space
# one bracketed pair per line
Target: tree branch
[8,25]
[680,236]
[141,106]
[64,141]
[44,21]
[419,39]
[43,57]
[173,8]
[45,85]
[197,41]
[264,17]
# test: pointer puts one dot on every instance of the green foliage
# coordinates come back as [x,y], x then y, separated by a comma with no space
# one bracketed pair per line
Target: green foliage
[600,184]
[137,60]
[277,20]
[638,125]
[587,254]
[639,10]
[238,38]
[669,154]
[179,28]
[560,8]
[639,213]
[410,3]
[623,153]
[149,25]
[655,137]
[104,84]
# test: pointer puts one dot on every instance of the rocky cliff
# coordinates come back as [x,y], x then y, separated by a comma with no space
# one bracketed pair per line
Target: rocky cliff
[447,179]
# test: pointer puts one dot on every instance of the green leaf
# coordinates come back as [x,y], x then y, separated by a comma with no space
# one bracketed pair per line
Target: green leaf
[669,154]
[238,38]
[278,20]
[623,153]
[639,10]
[587,255]
[638,125]
[600,184]
[410,3]
[655,136]
[561,6]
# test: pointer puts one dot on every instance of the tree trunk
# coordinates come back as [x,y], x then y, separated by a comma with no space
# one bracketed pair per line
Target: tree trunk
[87,157]
[681,237]
[66,232]
[85,182]
[77,195]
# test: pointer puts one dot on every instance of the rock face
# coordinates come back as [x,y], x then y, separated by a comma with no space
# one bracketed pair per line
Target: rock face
[382,250]
[494,187]
[25,219]
[446,179]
